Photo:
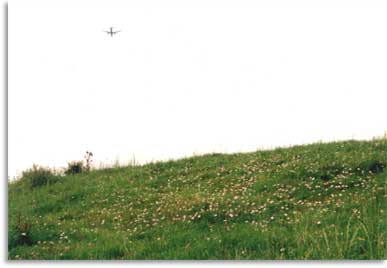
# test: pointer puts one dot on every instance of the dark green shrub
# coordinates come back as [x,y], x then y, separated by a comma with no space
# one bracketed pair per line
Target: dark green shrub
[39,176]
[74,167]
[374,166]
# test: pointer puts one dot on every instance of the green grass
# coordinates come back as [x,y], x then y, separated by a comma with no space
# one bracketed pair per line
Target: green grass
[318,201]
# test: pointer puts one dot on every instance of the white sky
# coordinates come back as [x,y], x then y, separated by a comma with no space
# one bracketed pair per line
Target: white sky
[191,77]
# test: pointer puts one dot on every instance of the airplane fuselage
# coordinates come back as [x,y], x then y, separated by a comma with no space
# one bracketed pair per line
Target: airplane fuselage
[111,32]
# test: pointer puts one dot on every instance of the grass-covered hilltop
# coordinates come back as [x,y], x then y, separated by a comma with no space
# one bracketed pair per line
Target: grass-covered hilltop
[318,201]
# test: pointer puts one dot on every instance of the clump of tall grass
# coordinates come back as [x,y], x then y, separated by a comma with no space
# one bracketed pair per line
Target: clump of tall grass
[20,232]
[39,176]
[74,167]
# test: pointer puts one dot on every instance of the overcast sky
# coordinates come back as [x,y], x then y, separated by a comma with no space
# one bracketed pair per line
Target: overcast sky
[183,78]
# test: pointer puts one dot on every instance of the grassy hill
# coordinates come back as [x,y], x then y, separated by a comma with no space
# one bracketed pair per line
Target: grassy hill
[318,201]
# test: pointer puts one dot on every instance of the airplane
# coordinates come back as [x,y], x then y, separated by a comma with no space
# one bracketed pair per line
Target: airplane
[111,32]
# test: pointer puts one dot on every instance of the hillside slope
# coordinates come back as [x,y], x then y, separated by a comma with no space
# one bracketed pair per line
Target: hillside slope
[318,201]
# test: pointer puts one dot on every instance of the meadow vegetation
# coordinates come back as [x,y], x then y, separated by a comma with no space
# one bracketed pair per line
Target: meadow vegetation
[317,201]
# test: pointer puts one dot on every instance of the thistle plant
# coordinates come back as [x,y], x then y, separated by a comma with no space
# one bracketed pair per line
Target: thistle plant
[88,160]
